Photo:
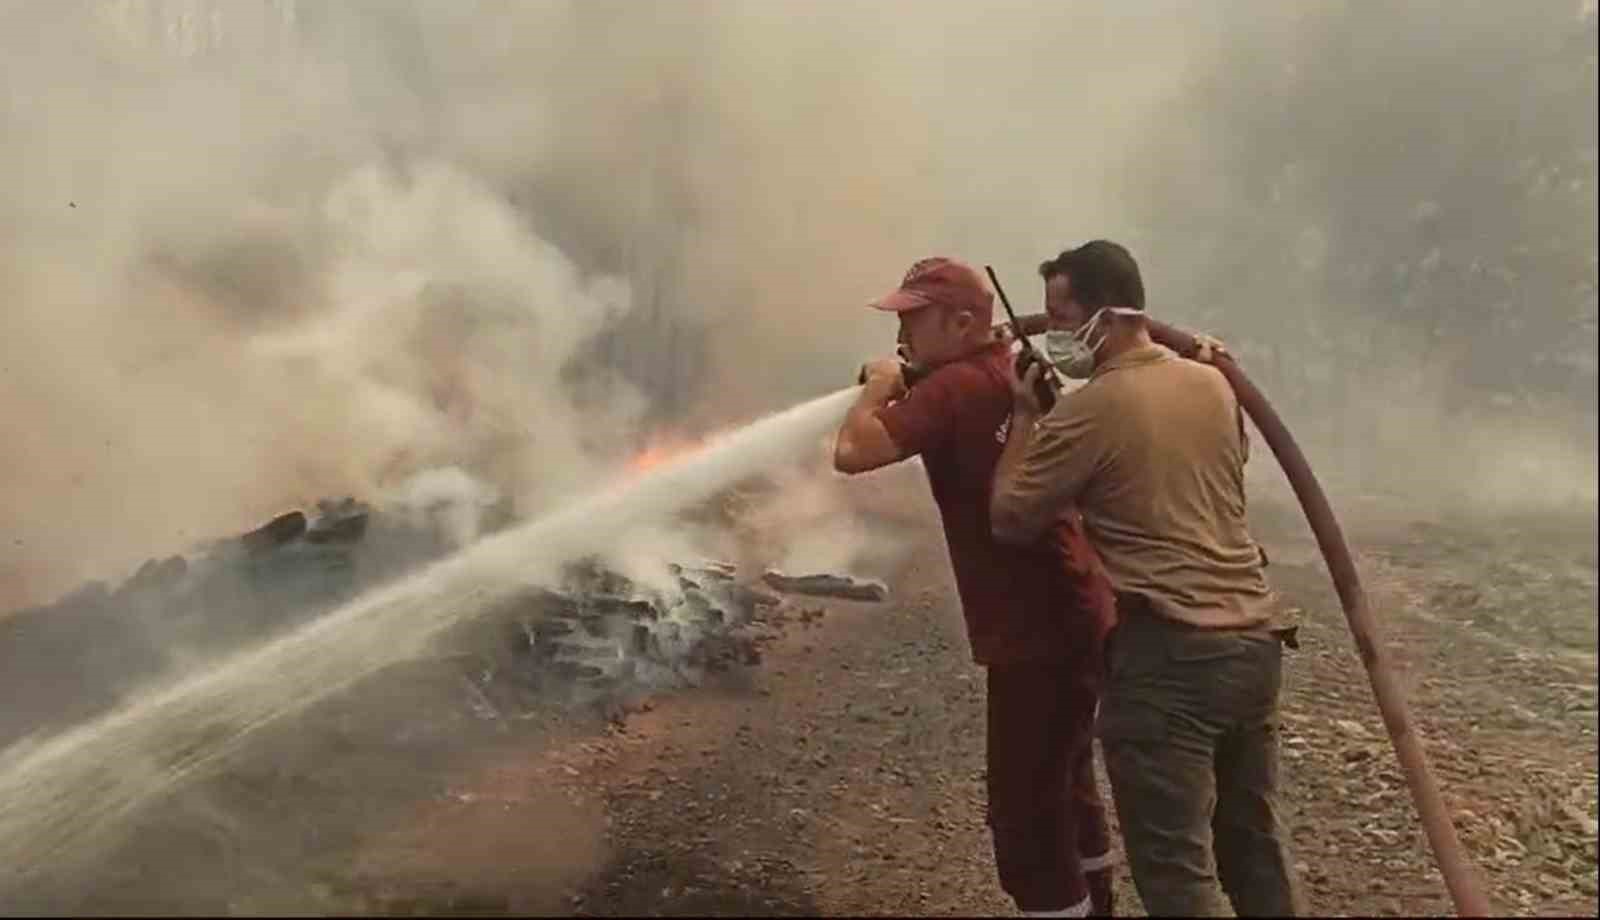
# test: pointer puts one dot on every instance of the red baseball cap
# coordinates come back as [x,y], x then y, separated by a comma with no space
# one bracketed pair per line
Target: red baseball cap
[943,281]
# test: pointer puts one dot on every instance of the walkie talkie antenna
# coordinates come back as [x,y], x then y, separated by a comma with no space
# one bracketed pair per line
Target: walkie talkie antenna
[1049,384]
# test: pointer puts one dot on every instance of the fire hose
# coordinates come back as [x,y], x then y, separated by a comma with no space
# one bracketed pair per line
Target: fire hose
[1459,877]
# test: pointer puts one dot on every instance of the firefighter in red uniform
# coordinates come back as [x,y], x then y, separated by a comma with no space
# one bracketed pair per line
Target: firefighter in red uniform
[1036,615]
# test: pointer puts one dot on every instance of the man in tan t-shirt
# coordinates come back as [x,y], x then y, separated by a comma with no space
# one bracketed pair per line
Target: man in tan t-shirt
[1151,450]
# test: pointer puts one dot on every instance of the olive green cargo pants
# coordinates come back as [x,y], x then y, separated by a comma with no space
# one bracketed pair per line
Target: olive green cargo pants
[1189,728]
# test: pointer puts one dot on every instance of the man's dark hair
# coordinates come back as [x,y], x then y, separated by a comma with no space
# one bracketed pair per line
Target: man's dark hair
[1103,274]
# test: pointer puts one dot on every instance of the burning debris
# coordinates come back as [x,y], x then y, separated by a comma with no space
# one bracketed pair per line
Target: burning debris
[80,655]
[600,637]
[595,636]
[838,586]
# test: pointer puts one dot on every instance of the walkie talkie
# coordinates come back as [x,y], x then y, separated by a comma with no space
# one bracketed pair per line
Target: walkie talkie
[1048,384]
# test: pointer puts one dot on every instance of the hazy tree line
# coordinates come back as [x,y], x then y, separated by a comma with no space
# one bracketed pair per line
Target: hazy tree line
[1401,205]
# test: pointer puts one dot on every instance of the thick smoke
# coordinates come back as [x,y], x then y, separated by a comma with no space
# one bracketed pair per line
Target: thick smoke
[240,279]
[265,250]
[1391,211]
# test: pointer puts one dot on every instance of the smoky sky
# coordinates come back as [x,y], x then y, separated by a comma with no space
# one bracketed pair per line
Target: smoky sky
[262,251]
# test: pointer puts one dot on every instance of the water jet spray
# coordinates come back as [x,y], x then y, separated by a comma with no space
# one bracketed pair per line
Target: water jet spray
[64,797]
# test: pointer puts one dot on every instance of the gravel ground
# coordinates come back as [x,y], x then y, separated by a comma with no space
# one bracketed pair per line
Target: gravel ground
[843,773]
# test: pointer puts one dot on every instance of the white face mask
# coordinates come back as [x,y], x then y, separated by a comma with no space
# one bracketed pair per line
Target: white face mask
[1069,354]
[1073,353]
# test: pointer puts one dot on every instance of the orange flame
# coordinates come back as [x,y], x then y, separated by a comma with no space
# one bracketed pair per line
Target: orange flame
[660,450]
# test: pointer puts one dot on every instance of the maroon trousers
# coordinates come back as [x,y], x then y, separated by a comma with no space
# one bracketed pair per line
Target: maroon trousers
[1052,845]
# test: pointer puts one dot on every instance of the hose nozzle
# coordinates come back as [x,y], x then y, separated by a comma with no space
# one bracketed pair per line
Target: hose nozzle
[910,371]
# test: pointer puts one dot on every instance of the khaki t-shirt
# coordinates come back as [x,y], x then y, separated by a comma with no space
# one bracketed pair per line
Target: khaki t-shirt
[1152,451]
